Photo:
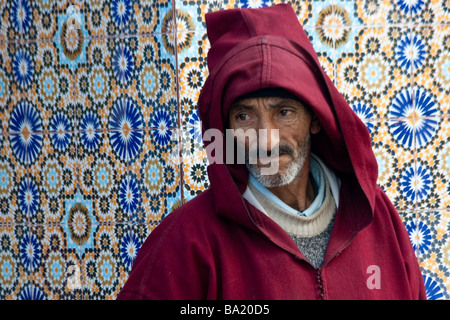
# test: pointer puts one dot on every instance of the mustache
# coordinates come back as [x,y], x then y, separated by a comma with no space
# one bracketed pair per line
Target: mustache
[276,151]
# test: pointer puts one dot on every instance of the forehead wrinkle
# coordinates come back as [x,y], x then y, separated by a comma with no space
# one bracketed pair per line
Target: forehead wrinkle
[267,103]
[251,103]
[239,106]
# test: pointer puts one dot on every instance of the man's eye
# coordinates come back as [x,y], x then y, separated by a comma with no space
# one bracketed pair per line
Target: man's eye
[285,112]
[242,116]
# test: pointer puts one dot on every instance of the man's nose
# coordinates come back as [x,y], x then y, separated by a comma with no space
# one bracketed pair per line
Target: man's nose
[268,135]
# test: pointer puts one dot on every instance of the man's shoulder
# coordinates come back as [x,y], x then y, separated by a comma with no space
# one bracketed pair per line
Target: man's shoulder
[202,204]
[168,252]
[191,214]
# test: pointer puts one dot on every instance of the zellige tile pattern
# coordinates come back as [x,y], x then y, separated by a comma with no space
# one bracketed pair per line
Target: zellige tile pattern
[100,137]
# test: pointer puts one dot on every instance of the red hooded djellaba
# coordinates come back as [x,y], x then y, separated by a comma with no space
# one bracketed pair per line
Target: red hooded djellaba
[223,245]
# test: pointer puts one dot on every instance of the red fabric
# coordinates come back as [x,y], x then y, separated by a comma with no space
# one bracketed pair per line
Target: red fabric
[218,246]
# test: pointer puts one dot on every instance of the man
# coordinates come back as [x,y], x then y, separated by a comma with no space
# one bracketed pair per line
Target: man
[318,228]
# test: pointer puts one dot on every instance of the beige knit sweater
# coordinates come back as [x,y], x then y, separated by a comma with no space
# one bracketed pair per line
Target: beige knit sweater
[311,234]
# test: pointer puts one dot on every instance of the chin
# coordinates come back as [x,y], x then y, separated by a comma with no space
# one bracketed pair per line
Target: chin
[288,170]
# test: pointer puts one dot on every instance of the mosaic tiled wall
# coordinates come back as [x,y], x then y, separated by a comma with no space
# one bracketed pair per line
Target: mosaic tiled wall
[92,94]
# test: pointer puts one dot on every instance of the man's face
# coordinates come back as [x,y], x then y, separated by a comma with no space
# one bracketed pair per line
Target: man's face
[294,124]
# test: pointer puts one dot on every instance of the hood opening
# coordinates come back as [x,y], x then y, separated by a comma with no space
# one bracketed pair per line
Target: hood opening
[250,52]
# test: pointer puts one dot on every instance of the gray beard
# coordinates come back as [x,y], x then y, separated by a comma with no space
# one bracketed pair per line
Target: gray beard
[285,177]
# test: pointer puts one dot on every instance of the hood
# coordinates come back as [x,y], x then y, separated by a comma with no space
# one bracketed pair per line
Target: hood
[251,50]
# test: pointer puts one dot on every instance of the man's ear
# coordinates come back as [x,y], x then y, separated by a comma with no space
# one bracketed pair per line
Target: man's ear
[315,125]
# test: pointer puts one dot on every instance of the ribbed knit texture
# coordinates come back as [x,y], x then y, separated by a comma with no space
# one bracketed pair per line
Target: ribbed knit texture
[311,234]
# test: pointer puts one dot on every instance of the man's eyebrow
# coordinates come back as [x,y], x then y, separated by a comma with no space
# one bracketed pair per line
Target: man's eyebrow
[283,103]
[240,106]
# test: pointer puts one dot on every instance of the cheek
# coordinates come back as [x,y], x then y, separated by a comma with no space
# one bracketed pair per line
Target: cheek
[245,142]
[293,137]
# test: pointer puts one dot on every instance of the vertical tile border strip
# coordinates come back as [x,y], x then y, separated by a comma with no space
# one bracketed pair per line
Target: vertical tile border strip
[177,88]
